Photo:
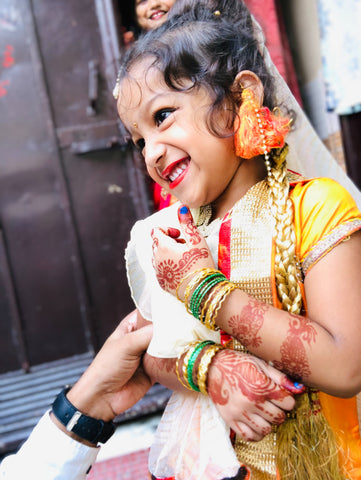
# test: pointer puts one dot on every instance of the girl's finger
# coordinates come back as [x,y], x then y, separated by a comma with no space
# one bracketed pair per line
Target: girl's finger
[167,238]
[247,433]
[282,379]
[189,229]
[173,232]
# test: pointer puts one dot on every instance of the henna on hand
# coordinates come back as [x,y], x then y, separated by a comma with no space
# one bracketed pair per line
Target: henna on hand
[161,370]
[243,375]
[192,233]
[248,393]
[169,273]
[174,257]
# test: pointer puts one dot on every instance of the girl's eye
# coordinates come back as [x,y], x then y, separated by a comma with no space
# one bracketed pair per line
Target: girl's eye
[140,144]
[162,115]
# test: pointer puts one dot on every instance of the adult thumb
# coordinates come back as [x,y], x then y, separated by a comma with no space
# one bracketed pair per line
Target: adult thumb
[139,340]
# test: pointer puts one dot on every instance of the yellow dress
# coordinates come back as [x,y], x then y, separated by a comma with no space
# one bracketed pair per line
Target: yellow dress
[325,215]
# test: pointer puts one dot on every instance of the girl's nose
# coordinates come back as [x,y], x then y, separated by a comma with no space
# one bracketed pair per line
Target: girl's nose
[153,152]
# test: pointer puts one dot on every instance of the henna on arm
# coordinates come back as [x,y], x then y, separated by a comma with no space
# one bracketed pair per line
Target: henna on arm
[294,360]
[246,326]
[280,337]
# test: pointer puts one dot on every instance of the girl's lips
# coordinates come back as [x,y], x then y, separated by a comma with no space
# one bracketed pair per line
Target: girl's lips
[175,172]
[178,180]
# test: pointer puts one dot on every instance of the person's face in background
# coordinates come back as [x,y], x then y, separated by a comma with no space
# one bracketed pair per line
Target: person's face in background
[151,14]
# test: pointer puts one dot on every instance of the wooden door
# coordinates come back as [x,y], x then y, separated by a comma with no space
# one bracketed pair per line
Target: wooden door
[69,190]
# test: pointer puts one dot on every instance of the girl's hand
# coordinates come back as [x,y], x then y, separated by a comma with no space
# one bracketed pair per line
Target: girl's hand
[249,394]
[175,258]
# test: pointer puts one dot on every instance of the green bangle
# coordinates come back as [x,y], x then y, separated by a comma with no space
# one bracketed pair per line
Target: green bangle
[204,366]
[186,358]
[202,289]
[198,297]
[197,301]
[191,362]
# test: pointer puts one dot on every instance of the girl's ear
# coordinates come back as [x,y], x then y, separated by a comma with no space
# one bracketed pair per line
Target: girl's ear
[248,79]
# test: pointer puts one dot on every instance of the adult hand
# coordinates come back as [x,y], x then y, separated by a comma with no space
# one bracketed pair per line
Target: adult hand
[249,394]
[115,380]
[174,258]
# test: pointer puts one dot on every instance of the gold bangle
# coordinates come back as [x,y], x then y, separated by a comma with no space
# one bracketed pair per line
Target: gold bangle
[188,352]
[212,295]
[201,275]
[217,295]
[202,316]
[217,301]
[207,304]
[183,280]
[204,366]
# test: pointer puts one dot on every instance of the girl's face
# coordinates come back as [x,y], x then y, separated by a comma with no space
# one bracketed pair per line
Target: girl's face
[170,130]
[152,13]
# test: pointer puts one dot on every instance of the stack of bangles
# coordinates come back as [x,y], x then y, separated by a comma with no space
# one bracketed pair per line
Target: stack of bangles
[193,364]
[203,298]
[205,294]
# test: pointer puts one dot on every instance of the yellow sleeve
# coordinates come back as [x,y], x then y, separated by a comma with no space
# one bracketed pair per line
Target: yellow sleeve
[325,214]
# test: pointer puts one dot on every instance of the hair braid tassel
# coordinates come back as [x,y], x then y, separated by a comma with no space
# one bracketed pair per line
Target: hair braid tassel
[306,445]
[288,288]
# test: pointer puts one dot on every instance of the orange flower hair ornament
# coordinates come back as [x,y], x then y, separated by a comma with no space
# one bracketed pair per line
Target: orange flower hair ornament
[260,130]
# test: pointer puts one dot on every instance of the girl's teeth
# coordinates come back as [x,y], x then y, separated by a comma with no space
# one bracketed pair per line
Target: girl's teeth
[177,172]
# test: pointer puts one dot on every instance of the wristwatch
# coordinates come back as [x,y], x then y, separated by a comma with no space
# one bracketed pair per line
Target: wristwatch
[88,428]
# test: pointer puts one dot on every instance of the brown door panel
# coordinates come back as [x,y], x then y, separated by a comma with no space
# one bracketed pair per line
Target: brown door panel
[69,191]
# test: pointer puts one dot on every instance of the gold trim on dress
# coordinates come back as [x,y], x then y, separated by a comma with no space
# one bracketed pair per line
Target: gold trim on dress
[328,242]
[252,232]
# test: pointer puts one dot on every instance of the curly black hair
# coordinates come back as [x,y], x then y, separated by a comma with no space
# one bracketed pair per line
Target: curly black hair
[205,43]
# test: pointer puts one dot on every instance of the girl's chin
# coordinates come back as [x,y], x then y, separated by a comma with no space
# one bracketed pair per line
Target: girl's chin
[190,203]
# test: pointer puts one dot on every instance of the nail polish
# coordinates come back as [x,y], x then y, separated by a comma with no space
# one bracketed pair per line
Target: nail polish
[183,210]
[299,386]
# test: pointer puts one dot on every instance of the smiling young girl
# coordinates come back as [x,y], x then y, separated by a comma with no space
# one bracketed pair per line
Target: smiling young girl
[269,263]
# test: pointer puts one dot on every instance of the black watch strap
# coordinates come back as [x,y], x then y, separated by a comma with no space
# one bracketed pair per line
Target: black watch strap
[85,427]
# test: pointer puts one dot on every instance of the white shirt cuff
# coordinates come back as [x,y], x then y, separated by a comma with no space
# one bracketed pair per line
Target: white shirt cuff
[49,454]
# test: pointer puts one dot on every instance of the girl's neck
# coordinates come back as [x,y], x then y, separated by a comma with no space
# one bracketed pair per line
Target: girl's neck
[248,174]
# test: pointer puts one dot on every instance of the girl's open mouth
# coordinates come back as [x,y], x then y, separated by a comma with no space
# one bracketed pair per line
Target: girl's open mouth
[175,172]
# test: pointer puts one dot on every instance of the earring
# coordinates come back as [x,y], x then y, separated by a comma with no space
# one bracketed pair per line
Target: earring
[259,130]
[116,88]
